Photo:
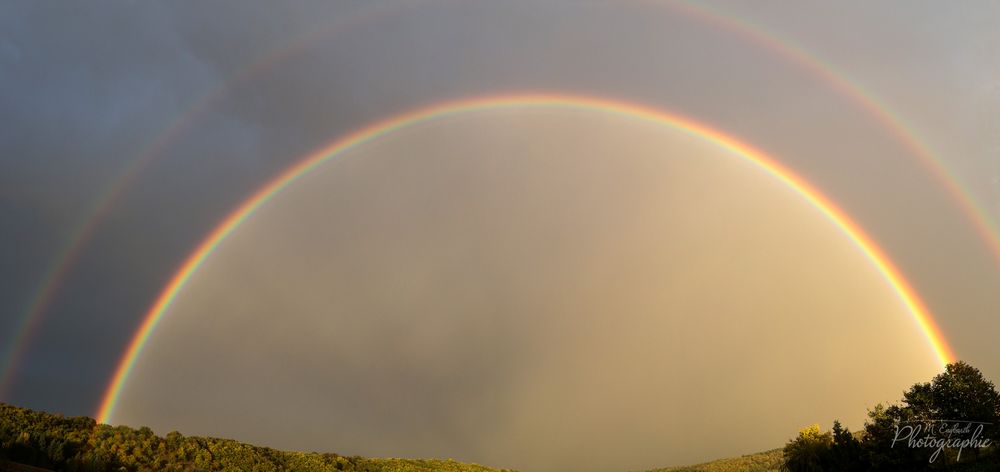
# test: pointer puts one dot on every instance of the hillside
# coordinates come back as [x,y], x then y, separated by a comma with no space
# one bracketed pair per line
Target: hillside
[55,442]
[769,461]
[80,444]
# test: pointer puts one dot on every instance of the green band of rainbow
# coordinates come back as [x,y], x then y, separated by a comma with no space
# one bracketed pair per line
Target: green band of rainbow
[863,242]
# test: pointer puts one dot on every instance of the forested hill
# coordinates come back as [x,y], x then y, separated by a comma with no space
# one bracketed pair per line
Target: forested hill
[936,420]
[769,461]
[80,444]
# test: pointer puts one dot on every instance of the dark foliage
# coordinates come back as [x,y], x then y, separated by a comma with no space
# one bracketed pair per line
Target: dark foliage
[956,397]
[80,444]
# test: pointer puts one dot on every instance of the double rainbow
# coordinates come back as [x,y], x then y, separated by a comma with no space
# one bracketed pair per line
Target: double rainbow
[795,55]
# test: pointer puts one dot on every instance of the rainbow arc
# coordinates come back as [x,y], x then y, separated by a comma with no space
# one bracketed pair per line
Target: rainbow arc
[878,258]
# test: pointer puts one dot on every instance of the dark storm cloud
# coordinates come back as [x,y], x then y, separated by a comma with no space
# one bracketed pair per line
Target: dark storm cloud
[82,89]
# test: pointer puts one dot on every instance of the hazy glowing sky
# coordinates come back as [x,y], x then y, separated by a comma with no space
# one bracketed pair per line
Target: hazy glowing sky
[492,270]
[540,289]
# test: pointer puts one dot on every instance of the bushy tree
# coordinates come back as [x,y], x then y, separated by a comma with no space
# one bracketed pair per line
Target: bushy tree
[961,393]
[809,451]
[958,395]
[813,450]
[845,452]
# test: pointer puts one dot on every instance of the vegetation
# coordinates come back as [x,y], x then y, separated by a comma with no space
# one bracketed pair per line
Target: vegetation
[958,396]
[769,461]
[80,444]
[935,411]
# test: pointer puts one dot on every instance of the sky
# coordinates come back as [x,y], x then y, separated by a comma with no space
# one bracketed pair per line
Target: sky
[477,286]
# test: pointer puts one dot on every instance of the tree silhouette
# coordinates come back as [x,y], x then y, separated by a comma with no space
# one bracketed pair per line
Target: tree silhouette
[960,397]
[809,451]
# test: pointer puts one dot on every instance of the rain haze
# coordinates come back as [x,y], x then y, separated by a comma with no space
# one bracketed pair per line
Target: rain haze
[528,286]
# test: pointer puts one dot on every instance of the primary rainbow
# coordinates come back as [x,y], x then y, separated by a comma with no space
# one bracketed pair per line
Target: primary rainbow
[867,246]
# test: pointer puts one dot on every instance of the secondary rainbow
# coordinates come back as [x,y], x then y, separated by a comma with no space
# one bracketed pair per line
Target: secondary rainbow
[881,112]
[878,258]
